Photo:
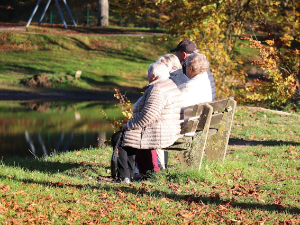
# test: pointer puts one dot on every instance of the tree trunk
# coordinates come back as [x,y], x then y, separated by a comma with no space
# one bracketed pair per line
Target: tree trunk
[297,94]
[102,12]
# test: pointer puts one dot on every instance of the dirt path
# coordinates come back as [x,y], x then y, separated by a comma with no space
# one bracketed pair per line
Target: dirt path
[13,28]
[80,31]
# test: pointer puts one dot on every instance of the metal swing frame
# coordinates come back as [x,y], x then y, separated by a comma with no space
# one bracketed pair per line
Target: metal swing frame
[44,12]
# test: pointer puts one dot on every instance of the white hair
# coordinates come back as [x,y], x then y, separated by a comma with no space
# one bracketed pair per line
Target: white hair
[171,61]
[160,70]
[198,62]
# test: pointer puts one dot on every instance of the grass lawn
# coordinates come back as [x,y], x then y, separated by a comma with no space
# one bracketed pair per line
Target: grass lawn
[106,62]
[257,184]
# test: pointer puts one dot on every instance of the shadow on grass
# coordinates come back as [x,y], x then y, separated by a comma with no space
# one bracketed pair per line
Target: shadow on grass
[123,54]
[114,30]
[14,67]
[241,142]
[102,30]
[107,83]
[45,167]
[35,165]
[74,94]
[131,55]
[81,44]
[110,85]
[111,50]
[143,189]
[210,200]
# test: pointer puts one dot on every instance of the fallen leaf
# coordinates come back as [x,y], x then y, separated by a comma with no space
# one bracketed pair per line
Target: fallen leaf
[6,187]
[133,205]
[30,209]
[252,137]
[189,216]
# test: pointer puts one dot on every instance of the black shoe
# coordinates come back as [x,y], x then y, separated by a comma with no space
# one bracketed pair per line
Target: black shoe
[121,180]
[136,177]
[160,167]
[143,178]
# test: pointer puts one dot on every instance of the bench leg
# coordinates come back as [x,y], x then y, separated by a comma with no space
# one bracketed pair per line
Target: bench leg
[194,155]
[216,146]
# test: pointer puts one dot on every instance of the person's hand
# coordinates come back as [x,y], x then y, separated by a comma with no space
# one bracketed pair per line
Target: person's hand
[125,126]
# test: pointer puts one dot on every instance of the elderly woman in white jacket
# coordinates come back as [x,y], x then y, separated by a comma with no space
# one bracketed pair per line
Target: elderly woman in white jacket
[178,77]
[175,68]
[156,121]
[197,89]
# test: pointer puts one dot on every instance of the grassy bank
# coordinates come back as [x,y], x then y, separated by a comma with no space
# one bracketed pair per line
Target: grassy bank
[257,184]
[106,62]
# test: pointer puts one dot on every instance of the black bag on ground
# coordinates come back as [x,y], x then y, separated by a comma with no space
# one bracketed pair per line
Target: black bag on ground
[116,141]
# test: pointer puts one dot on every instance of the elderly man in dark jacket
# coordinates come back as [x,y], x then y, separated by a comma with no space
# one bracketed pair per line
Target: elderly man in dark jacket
[183,50]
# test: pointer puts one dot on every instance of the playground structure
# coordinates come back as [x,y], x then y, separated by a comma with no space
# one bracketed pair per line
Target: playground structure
[45,10]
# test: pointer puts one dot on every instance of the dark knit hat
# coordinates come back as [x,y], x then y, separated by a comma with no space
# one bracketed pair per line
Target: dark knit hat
[186,46]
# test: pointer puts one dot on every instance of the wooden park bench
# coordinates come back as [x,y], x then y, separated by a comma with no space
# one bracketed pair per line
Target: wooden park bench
[206,129]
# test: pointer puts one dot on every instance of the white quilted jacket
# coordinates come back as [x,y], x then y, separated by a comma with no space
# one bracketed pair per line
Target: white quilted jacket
[156,119]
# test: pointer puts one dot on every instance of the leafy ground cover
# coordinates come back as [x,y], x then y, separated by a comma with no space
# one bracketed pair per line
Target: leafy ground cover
[257,184]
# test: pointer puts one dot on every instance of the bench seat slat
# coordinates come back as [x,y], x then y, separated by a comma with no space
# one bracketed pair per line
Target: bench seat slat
[181,144]
[183,140]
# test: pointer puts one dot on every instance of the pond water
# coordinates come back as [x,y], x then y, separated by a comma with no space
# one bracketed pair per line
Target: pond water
[29,129]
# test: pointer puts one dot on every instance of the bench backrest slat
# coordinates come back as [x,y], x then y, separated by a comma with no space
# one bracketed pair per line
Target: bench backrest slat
[192,111]
[191,119]
[219,105]
[216,119]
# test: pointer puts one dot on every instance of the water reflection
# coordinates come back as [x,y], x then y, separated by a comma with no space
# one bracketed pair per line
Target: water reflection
[41,128]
